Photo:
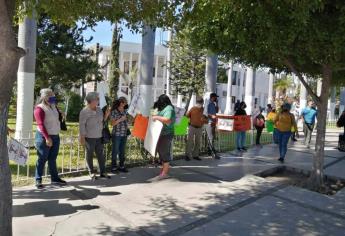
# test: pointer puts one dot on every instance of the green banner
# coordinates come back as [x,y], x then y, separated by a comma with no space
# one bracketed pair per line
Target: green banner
[181,128]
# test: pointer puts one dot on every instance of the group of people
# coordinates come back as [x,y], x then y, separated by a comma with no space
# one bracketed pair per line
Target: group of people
[94,121]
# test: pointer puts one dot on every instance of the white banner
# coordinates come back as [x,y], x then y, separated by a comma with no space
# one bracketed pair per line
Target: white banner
[152,136]
[134,106]
[225,124]
[17,152]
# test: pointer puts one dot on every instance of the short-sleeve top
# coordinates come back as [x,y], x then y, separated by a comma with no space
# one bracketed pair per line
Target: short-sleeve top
[120,129]
[168,112]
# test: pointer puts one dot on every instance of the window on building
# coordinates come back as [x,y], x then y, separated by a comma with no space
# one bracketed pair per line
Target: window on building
[233,99]
[234,77]
[160,69]
[126,67]
[239,78]
[256,101]
[244,78]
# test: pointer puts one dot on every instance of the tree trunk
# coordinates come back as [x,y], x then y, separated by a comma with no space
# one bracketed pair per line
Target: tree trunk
[317,172]
[9,61]
[115,62]
[190,94]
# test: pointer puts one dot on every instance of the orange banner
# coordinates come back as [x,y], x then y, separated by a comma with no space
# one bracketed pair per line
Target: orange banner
[140,126]
[242,123]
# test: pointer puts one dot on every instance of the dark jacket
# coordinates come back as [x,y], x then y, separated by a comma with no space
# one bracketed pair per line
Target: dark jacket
[240,112]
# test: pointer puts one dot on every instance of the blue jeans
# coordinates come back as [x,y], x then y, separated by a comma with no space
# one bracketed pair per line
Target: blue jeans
[275,136]
[118,149]
[45,154]
[240,139]
[283,138]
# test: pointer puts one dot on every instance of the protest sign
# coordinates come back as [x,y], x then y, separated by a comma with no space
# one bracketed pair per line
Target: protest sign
[225,122]
[242,123]
[140,126]
[17,152]
[179,113]
[269,126]
[152,136]
[133,108]
[181,128]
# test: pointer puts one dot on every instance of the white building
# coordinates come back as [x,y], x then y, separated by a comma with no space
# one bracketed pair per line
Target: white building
[130,59]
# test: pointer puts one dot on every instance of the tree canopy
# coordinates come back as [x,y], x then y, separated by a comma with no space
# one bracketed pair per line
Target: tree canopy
[62,56]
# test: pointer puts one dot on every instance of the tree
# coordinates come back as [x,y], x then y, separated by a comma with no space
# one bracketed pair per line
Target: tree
[300,37]
[62,57]
[187,67]
[281,85]
[115,61]
[158,13]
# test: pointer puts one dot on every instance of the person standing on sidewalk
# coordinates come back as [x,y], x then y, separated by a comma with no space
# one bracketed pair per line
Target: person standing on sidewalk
[309,116]
[119,134]
[241,135]
[284,122]
[259,124]
[91,120]
[47,140]
[197,119]
[166,115]
[212,110]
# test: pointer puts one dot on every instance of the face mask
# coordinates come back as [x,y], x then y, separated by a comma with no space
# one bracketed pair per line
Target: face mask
[126,107]
[52,100]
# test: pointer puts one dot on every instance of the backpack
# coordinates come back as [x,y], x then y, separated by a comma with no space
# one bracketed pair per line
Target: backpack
[259,122]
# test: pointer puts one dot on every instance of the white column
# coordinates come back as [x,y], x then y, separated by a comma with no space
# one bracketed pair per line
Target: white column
[168,58]
[270,88]
[179,100]
[228,108]
[249,91]
[146,68]
[192,101]
[156,80]
[27,35]
[332,103]
[210,76]
[303,97]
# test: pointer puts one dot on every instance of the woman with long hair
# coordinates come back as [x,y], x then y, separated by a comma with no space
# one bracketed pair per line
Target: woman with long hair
[119,134]
[166,115]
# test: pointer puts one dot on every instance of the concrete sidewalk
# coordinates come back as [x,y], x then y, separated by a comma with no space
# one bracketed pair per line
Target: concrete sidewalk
[208,197]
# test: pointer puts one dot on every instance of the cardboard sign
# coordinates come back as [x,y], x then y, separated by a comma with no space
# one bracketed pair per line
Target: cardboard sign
[180,129]
[152,136]
[225,124]
[242,123]
[140,126]
[17,152]
[134,106]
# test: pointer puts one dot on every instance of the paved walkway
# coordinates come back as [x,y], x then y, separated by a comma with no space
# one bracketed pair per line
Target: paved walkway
[210,197]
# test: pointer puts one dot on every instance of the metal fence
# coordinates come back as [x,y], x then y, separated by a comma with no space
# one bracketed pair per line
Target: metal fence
[71,158]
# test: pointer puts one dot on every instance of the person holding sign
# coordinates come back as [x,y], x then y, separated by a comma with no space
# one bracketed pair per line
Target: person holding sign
[197,121]
[47,140]
[284,122]
[241,134]
[119,134]
[166,115]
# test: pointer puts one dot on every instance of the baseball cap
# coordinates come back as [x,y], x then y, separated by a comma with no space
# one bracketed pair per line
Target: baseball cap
[212,95]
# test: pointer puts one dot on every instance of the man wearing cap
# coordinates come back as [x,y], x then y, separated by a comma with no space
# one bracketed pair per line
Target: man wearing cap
[212,110]
[197,119]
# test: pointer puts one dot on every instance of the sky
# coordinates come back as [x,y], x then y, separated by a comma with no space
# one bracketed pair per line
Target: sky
[102,34]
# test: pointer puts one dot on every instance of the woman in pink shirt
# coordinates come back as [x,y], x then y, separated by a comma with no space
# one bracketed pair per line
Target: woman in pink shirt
[47,139]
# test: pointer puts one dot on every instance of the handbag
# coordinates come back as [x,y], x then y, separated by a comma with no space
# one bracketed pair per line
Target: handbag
[63,125]
[106,135]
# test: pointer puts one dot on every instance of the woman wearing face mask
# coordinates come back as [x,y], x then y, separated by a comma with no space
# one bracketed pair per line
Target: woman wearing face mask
[241,135]
[119,134]
[47,139]
[90,132]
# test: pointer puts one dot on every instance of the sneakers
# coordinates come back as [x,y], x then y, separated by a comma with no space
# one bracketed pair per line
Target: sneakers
[93,177]
[197,158]
[281,160]
[104,176]
[187,158]
[244,149]
[123,170]
[59,182]
[39,184]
